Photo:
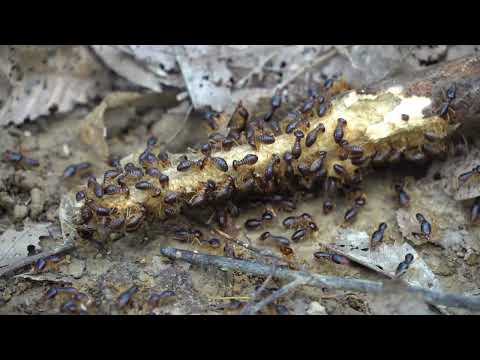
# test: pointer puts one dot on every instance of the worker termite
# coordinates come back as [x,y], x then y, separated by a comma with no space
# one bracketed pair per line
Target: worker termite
[125,297]
[281,309]
[188,235]
[115,224]
[317,164]
[249,159]
[97,188]
[143,185]
[464,177]
[252,224]
[110,174]
[132,171]
[115,189]
[336,258]
[351,214]
[475,212]
[157,299]
[291,126]
[19,160]
[220,163]
[184,165]
[402,196]
[239,118]
[297,146]
[425,226]
[266,139]
[312,135]
[446,108]
[270,169]
[299,234]
[146,158]
[322,110]
[280,240]
[377,236]
[76,169]
[338,133]
[134,221]
[80,195]
[100,210]
[404,265]
[213,243]
[295,222]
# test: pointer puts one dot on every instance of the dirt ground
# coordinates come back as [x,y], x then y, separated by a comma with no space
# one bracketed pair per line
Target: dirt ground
[29,197]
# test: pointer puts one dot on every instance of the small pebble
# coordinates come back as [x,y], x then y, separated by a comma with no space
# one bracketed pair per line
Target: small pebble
[38,200]
[20,212]
[315,308]
[6,201]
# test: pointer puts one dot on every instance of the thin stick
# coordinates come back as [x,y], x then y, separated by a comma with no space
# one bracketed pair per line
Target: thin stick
[20,264]
[277,294]
[247,310]
[326,56]
[180,130]
[318,280]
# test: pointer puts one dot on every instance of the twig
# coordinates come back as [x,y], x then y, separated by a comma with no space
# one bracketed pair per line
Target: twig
[182,127]
[326,56]
[256,70]
[20,264]
[277,294]
[247,310]
[318,280]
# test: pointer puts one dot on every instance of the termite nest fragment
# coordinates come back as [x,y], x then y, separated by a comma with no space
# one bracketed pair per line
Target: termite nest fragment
[325,145]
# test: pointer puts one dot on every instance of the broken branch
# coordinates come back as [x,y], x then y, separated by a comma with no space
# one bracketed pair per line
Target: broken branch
[318,280]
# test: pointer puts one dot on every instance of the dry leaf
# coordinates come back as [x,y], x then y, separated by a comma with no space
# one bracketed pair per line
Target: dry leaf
[93,131]
[356,245]
[37,79]
[13,244]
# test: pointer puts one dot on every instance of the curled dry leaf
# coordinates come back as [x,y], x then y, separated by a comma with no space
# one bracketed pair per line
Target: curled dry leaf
[144,67]
[93,131]
[35,80]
